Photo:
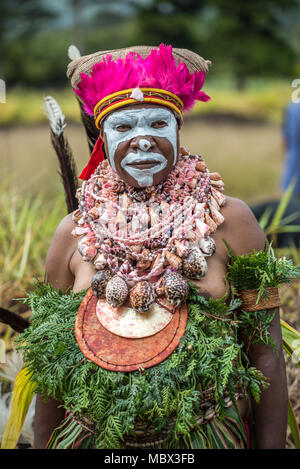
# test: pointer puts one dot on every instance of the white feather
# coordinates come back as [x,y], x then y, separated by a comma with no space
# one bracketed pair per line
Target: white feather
[73,52]
[54,113]
[12,366]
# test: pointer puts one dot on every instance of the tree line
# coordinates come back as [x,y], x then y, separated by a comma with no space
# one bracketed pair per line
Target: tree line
[243,39]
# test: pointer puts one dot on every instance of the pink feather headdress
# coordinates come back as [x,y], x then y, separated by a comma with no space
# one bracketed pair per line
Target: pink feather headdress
[157,70]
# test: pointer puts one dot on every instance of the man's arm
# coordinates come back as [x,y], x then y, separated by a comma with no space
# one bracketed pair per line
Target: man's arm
[270,415]
[48,413]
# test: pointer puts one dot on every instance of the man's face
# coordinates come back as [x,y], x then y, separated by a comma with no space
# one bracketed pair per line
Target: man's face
[141,142]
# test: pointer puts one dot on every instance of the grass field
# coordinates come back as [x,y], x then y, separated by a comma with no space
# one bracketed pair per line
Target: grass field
[249,156]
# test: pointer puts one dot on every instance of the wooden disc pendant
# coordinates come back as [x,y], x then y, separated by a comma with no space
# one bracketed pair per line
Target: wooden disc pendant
[116,353]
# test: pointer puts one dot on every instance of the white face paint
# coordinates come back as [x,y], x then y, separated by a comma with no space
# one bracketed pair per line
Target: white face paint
[144,177]
[140,123]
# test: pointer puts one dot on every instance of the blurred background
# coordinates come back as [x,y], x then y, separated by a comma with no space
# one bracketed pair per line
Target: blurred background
[241,132]
[255,54]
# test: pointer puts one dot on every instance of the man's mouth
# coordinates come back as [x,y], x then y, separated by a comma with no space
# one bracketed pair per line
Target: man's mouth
[146,164]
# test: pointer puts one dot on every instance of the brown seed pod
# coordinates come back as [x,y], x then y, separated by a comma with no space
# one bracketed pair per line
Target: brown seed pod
[99,282]
[116,291]
[142,296]
[176,288]
[195,266]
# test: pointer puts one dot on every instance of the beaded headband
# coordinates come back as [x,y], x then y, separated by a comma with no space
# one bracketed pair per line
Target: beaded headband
[125,97]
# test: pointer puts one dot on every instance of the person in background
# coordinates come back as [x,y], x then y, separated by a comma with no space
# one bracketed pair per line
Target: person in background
[291,139]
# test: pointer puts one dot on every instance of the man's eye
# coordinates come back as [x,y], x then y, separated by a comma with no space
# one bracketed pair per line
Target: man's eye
[123,127]
[158,124]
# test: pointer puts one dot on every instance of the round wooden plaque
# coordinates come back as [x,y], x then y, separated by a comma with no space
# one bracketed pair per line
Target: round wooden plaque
[116,353]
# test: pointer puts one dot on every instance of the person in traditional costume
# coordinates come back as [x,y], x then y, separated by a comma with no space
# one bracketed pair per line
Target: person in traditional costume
[150,348]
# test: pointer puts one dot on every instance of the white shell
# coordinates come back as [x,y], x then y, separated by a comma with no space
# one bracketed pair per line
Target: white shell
[218,196]
[202,229]
[207,246]
[100,261]
[79,231]
[216,215]
[199,210]
[126,322]
[137,94]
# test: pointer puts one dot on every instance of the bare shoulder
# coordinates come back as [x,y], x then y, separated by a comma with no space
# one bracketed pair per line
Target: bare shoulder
[60,252]
[241,229]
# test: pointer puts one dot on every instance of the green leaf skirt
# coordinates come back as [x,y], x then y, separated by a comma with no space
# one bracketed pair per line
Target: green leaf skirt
[105,408]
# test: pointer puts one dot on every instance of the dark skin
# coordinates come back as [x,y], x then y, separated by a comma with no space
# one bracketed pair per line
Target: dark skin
[65,268]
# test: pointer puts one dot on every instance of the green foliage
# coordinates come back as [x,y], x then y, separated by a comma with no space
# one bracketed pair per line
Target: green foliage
[27,224]
[256,325]
[32,35]
[116,401]
[262,45]
[259,270]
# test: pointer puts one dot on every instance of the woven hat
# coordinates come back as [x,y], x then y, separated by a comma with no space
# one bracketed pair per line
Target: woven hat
[193,61]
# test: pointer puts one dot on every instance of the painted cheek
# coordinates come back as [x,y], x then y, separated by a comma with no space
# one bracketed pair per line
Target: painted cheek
[114,140]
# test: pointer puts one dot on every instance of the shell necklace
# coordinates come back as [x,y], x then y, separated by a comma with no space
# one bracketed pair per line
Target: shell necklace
[144,243]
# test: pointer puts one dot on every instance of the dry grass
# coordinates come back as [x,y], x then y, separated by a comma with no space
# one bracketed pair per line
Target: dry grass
[249,157]
[289,311]
[261,99]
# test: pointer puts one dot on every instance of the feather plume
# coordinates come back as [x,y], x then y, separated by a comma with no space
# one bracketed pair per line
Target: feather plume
[68,171]
[73,52]
[157,70]
[67,164]
[54,113]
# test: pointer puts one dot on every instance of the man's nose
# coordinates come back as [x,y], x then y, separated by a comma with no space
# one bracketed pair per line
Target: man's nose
[143,143]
